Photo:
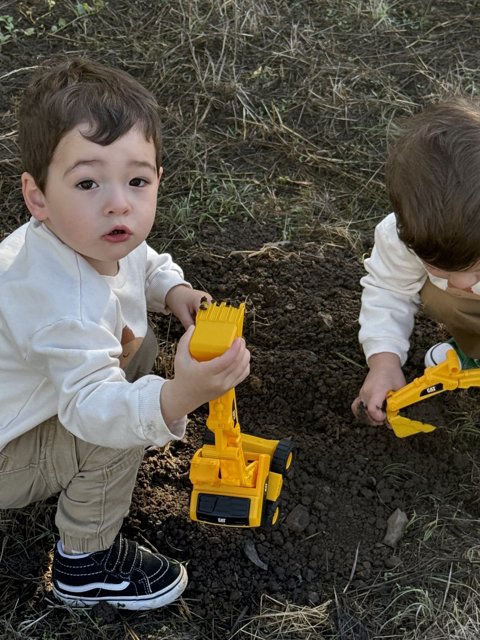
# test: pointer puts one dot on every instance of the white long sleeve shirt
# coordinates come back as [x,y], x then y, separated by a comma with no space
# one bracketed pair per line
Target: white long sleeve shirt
[61,326]
[391,293]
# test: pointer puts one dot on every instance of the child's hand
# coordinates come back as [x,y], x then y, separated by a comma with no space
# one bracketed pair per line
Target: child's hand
[184,303]
[385,374]
[195,383]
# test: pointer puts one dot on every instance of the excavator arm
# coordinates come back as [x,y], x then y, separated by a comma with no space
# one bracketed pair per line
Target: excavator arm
[446,376]
[237,478]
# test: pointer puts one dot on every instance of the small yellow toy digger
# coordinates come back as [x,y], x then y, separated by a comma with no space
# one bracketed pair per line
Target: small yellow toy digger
[237,478]
[446,376]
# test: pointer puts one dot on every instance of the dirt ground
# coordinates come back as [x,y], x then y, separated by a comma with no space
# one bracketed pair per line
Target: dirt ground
[347,479]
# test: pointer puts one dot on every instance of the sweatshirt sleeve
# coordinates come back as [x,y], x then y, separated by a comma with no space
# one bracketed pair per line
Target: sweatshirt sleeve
[95,401]
[391,293]
[162,274]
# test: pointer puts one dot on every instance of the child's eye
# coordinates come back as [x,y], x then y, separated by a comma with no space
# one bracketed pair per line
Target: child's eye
[138,182]
[86,185]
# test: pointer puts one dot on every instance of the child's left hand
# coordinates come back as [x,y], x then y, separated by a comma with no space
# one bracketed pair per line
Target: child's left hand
[184,303]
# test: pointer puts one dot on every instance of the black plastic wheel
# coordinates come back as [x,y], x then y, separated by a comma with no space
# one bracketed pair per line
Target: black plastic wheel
[282,456]
[271,514]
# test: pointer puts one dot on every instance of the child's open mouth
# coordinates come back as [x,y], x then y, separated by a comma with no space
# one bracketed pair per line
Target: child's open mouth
[119,234]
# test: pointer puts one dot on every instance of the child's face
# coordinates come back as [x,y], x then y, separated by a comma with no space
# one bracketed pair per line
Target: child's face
[99,200]
[464,280]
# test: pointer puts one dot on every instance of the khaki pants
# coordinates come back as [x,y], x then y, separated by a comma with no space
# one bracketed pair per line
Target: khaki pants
[459,311]
[95,484]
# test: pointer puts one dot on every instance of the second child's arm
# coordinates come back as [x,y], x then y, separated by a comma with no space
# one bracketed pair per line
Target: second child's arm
[391,294]
[385,374]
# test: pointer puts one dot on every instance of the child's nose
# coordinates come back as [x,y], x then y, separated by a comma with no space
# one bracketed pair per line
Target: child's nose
[116,201]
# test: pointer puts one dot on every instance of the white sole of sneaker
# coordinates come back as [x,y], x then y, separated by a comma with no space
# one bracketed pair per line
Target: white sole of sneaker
[132,603]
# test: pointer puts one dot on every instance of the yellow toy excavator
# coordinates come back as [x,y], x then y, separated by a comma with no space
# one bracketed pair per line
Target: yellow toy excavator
[446,376]
[237,478]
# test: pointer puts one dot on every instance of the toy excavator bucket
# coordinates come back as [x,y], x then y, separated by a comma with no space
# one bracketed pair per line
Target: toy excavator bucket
[446,376]
[217,326]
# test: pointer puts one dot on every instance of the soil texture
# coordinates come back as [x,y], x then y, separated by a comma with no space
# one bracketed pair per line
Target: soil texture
[347,478]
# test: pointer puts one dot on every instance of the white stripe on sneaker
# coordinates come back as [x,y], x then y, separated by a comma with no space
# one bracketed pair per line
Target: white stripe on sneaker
[93,585]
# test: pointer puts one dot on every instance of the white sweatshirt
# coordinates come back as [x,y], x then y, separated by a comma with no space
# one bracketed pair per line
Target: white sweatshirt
[61,326]
[391,293]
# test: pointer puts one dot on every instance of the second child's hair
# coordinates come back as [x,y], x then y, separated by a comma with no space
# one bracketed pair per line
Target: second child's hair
[433,181]
[70,91]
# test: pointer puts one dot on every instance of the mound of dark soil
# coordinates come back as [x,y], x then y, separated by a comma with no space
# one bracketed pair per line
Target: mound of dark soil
[301,326]
[347,478]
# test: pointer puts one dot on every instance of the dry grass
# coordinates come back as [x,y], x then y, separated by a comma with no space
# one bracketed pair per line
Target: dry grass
[275,110]
[284,621]
[435,595]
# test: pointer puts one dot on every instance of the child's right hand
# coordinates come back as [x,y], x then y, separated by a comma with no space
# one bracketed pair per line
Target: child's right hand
[385,374]
[195,383]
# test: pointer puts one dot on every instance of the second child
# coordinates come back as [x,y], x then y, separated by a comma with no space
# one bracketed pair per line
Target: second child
[427,251]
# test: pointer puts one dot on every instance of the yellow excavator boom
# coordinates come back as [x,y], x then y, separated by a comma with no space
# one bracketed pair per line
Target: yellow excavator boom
[237,478]
[446,376]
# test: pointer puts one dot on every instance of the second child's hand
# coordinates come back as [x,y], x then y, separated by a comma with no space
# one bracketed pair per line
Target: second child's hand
[385,374]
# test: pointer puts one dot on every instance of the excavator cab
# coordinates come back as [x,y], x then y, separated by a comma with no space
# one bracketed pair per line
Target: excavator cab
[237,478]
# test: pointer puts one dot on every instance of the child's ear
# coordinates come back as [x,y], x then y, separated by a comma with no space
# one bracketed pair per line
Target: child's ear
[33,196]
[160,173]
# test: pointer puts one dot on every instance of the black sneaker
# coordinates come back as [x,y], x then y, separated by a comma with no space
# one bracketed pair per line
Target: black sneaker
[125,575]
